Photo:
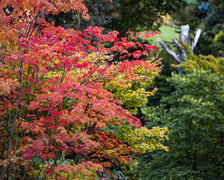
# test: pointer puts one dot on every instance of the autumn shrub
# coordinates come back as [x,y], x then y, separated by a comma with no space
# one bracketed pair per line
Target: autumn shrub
[58,95]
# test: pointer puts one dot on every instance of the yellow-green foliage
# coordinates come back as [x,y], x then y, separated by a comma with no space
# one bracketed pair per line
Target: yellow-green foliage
[219,37]
[207,63]
[143,140]
[201,62]
[132,93]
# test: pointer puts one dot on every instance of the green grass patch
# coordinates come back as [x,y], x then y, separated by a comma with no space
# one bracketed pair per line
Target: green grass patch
[192,2]
[167,34]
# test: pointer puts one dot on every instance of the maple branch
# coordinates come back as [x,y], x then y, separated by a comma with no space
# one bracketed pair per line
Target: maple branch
[37,177]
[100,78]
[38,26]
[34,20]
[11,132]
[63,74]
[91,74]
[16,143]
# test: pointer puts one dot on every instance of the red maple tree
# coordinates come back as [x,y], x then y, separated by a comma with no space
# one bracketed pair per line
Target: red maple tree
[53,107]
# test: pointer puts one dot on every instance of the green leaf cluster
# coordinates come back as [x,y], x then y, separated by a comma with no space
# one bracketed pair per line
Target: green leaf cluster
[194,114]
[132,93]
[143,140]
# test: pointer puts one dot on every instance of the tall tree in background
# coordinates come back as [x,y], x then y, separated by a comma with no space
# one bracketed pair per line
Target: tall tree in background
[101,14]
[143,14]
[121,15]
[212,17]
[214,21]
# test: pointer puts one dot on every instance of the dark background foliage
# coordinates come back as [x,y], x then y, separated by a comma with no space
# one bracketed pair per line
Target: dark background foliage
[194,115]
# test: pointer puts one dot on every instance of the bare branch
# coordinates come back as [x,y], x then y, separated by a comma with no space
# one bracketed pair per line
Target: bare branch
[167,49]
[196,38]
[184,33]
[177,43]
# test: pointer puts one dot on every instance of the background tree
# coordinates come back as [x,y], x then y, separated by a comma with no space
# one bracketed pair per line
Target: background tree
[194,115]
[101,14]
[210,17]
[143,14]
[121,15]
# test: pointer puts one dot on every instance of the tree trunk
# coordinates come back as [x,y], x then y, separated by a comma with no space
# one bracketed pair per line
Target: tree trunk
[185,38]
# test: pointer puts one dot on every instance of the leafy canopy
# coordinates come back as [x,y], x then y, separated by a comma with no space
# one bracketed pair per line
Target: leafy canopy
[55,99]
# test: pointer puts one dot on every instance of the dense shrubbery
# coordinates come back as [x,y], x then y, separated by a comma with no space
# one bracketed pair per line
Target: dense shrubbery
[194,115]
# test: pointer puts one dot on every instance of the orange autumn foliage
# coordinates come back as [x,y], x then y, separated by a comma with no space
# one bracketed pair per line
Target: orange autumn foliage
[51,99]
